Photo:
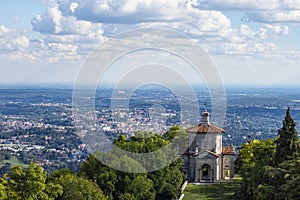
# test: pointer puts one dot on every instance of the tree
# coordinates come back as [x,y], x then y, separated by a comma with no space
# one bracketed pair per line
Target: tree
[178,137]
[284,176]
[6,193]
[112,182]
[30,184]
[162,184]
[290,187]
[287,141]
[252,159]
[167,180]
[76,188]
[3,193]
[127,196]
[271,170]
[141,188]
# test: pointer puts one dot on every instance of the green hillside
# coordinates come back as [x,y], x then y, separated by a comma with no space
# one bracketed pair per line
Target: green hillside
[12,161]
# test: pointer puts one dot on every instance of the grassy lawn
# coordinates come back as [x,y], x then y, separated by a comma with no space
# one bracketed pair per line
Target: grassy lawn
[13,161]
[222,191]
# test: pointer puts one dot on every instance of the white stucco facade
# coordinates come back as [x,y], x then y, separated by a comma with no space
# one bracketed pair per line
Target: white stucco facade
[206,159]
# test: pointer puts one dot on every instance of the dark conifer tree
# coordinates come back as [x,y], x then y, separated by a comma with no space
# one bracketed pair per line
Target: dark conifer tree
[287,141]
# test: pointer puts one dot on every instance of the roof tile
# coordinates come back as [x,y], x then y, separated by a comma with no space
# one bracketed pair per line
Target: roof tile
[205,128]
[228,150]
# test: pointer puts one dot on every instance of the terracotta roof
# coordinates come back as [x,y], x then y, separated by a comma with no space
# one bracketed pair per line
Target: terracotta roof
[205,128]
[228,150]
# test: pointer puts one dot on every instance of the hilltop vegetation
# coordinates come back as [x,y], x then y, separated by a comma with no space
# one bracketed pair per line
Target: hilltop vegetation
[33,184]
[97,181]
[161,184]
[271,168]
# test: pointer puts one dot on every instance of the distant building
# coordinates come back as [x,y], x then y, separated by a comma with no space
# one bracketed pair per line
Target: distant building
[206,159]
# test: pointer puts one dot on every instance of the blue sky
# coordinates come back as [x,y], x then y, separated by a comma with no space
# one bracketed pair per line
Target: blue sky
[250,41]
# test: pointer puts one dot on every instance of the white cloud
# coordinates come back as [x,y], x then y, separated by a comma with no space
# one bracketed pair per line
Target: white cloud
[276,16]
[116,11]
[73,7]
[249,48]
[14,46]
[3,30]
[216,35]
[71,29]
[83,44]
[265,11]
[277,29]
[12,41]
[54,22]
[65,37]
[128,11]
[209,21]
[21,48]
[250,4]
[71,22]
[83,17]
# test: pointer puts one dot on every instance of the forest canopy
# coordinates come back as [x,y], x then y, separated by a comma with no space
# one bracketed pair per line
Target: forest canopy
[270,169]
[97,181]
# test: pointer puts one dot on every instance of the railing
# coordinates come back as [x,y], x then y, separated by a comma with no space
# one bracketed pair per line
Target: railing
[183,186]
[181,197]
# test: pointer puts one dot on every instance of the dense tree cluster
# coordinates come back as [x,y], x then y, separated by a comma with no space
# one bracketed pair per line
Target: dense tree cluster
[160,184]
[97,181]
[271,168]
[33,184]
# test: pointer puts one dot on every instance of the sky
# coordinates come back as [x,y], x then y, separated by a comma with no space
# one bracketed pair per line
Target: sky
[252,42]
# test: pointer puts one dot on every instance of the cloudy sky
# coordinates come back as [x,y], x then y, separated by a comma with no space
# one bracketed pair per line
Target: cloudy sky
[250,41]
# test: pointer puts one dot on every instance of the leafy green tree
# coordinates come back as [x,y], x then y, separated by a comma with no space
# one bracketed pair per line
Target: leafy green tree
[167,180]
[287,142]
[57,174]
[112,182]
[290,188]
[30,184]
[127,196]
[162,184]
[76,188]
[3,193]
[252,159]
[178,137]
[6,192]
[283,178]
[173,132]
[271,170]
[141,188]
[107,181]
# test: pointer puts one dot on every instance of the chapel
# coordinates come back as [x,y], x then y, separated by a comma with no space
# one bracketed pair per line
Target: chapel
[206,159]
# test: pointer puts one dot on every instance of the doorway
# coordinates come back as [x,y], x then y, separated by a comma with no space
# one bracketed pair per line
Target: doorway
[206,172]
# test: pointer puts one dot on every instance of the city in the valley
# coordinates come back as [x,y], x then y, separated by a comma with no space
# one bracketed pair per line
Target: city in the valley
[37,124]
